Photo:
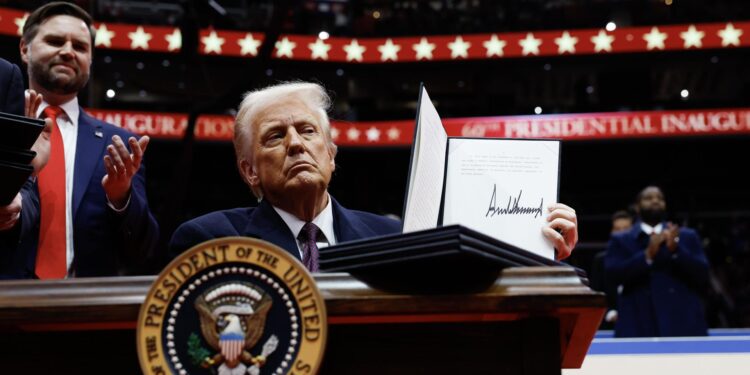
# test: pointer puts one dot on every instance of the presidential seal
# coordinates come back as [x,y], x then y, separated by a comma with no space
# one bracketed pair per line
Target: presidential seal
[232,306]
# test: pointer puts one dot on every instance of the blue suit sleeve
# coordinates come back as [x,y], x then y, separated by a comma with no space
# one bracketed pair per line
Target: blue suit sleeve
[18,245]
[187,235]
[622,263]
[14,91]
[689,260]
[138,227]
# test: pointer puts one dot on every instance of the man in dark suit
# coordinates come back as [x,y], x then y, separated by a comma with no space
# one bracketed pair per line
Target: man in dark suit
[11,101]
[662,270]
[285,154]
[94,215]
[11,88]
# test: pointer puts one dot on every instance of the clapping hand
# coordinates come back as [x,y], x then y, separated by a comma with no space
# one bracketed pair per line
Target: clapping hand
[121,166]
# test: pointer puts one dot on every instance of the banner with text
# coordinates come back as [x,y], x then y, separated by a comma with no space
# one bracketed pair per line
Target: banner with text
[584,126]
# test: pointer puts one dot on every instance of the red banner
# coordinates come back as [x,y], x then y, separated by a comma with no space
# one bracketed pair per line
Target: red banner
[655,38]
[585,126]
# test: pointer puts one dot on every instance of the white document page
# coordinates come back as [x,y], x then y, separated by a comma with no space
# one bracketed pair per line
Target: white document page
[427,165]
[502,187]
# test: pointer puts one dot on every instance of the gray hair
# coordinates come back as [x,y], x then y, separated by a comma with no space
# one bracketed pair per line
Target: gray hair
[313,95]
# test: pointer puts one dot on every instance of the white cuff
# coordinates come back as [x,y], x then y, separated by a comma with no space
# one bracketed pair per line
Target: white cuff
[119,210]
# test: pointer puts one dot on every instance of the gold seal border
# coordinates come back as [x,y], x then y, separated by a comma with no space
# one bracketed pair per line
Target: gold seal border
[275,260]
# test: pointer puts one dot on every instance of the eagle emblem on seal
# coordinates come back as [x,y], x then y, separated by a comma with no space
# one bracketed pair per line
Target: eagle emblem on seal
[232,320]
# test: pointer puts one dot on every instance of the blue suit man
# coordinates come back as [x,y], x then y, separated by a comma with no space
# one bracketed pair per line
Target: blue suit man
[264,223]
[106,242]
[11,101]
[285,154]
[11,88]
[108,226]
[662,271]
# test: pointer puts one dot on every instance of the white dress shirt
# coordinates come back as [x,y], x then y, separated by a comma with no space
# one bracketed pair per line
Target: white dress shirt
[324,221]
[651,230]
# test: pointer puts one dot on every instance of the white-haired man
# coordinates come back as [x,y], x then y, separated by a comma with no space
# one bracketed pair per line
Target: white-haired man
[286,155]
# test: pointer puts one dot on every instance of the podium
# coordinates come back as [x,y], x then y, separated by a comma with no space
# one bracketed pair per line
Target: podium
[532,320]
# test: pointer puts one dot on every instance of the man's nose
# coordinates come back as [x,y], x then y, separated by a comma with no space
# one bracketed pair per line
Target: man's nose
[66,50]
[295,140]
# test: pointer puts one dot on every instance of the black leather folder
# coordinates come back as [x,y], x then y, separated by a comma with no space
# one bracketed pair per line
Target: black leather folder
[18,131]
[442,260]
[12,178]
[17,135]
[13,155]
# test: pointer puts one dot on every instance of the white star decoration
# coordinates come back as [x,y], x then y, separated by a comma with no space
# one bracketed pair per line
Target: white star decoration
[730,36]
[284,47]
[423,49]
[494,46]
[693,37]
[459,48]
[373,134]
[393,134]
[104,36]
[20,22]
[352,134]
[334,133]
[212,43]
[139,39]
[530,44]
[174,39]
[249,45]
[389,51]
[566,43]
[319,49]
[655,39]
[354,51]
[602,41]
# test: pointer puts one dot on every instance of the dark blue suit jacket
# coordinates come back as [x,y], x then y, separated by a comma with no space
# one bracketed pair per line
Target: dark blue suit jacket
[11,88]
[264,223]
[106,243]
[661,299]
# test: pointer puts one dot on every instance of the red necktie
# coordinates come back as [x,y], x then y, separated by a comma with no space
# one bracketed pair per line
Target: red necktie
[51,256]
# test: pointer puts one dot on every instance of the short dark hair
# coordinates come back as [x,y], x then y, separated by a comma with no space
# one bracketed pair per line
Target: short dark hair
[640,193]
[622,214]
[56,8]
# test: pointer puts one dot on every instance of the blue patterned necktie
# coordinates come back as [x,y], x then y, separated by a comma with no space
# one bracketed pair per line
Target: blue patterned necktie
[308,237]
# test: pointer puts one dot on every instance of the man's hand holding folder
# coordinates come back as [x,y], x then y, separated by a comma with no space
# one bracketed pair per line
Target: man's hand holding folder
[42,144]
[18,161]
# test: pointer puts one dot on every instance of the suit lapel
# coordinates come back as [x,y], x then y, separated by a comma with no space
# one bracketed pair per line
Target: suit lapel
[89,147]
[267,225]
[347,226]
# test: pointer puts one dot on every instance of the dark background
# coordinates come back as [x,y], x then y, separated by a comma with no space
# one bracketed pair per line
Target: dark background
[703,177]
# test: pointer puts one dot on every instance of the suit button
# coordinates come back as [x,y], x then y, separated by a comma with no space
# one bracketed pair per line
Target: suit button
[671,290]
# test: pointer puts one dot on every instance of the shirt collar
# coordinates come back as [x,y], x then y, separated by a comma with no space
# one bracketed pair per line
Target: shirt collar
[650,230]
[71,108]
[324,221]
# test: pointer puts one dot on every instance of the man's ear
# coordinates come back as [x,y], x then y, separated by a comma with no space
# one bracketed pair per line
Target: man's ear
[24,51]
[249,174]
[332,153]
